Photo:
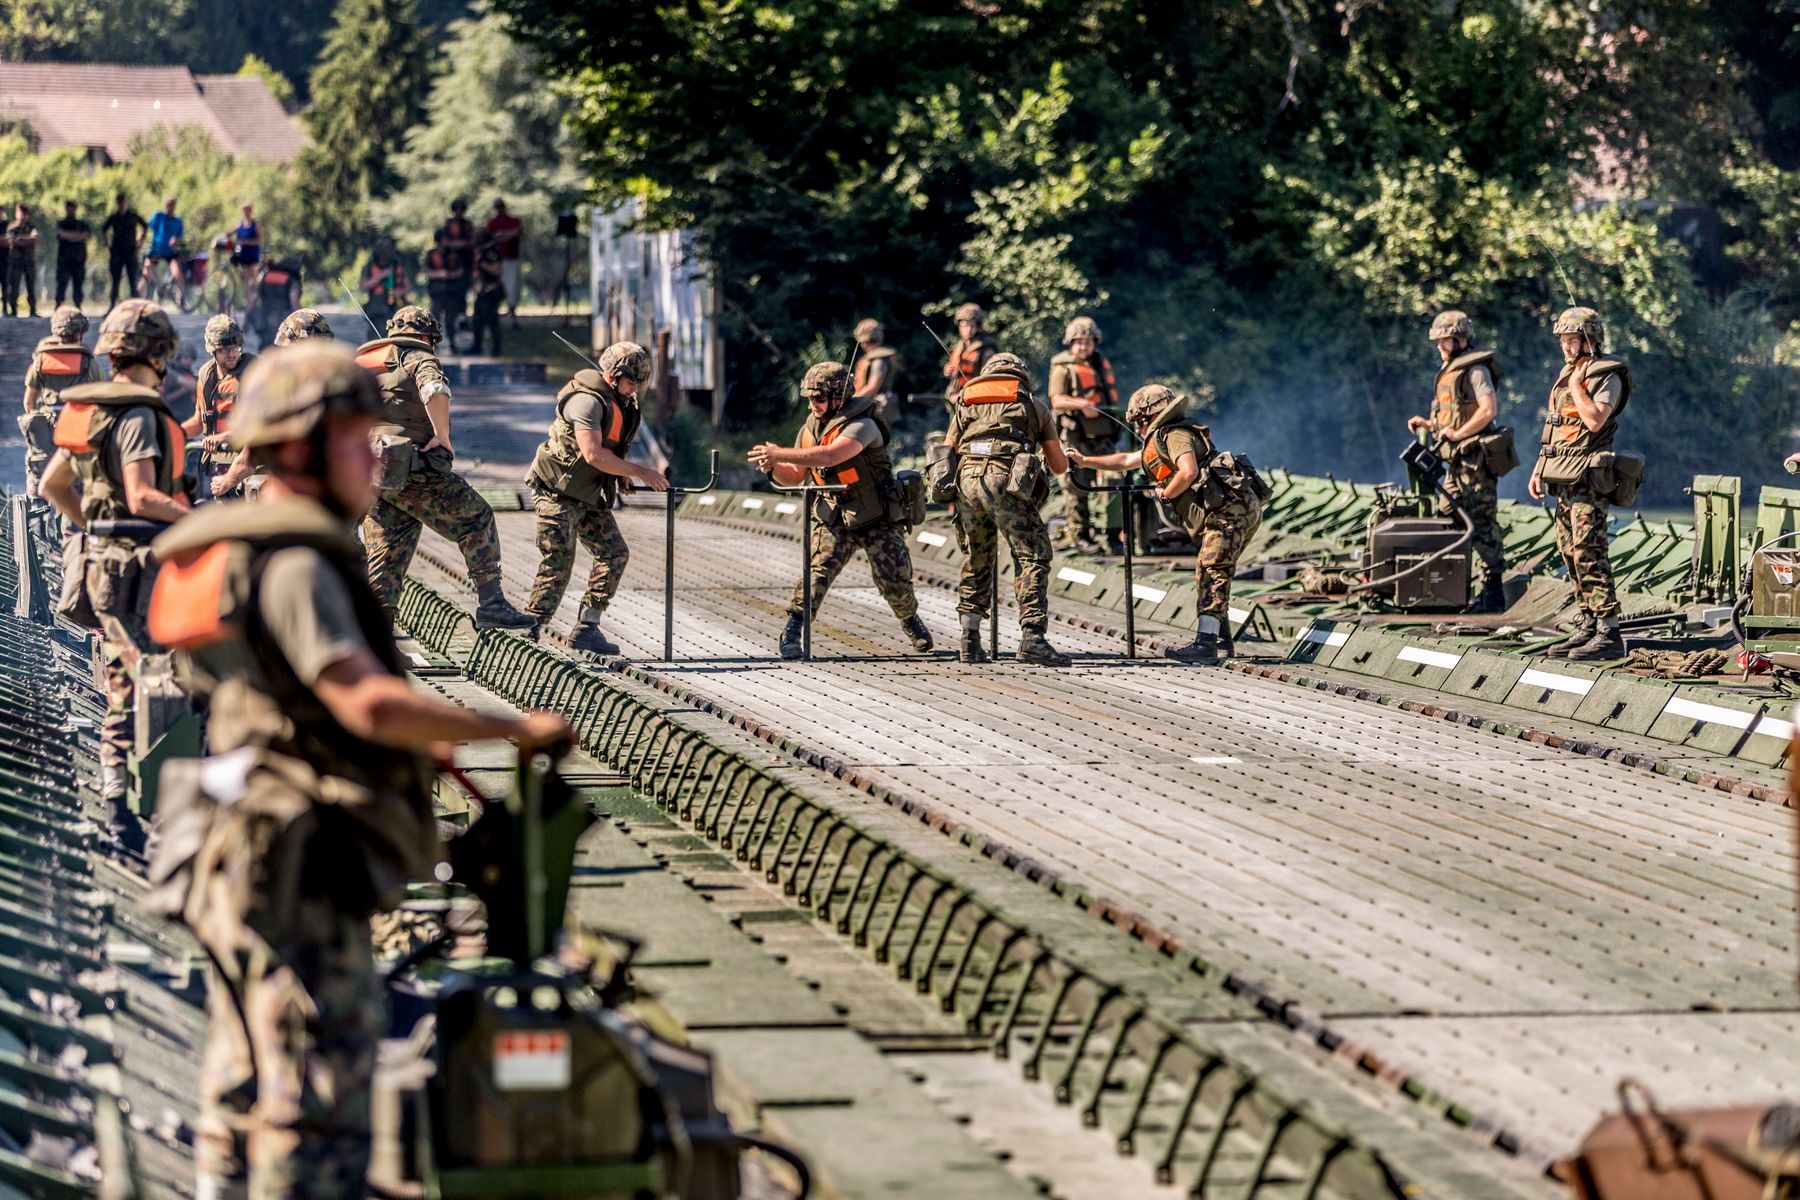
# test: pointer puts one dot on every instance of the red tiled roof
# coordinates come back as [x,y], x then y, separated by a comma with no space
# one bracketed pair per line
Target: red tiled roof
[255,121]
[101,105]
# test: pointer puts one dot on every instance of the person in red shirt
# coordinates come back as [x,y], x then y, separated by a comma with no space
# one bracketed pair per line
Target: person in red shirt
[506,230]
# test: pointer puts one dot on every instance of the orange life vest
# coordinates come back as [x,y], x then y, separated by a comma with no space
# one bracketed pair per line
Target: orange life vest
[1094,382]
[998,390]
[1155,465]
[60,367]
[187,605]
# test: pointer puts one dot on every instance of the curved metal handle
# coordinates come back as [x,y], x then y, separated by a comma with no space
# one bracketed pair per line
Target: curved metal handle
[712,481]
[1075,483]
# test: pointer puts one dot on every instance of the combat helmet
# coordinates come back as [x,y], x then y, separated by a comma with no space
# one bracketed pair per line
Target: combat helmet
[68,324]
[867,330]
[827,381]
[1148,401]
[413,321]
[1007,364]
[1583,321]
[626,359]
[138,329]
[289,395]
[301,325]
[1085,327]
[972,312]
[1451,323]
[221,332]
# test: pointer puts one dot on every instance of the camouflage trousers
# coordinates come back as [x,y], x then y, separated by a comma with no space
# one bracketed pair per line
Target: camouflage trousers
[1080,504]
[1224,533]
[1478,493]
[445,501]
[985,511]
[292,1032]
[890,563]
[561,523]
[119,580]
[1581,537]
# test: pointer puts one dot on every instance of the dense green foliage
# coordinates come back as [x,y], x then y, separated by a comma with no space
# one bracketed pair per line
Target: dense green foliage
[1276,195]
[491,128]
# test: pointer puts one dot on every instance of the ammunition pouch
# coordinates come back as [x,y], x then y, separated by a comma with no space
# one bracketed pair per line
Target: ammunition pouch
[1562,469]
[1026,478]
[74,604]
[119,575]
[1616,476]
[940,472]
[395,457]
[1498,453]
[1227,476]
[906,499]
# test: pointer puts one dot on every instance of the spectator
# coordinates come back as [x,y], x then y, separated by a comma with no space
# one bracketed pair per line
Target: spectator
[459,236]
[21,270]
[248,254]
[385,284]
[490,290]
[72,234]
[124,232]
[505,230]
[166,230]
[8,302]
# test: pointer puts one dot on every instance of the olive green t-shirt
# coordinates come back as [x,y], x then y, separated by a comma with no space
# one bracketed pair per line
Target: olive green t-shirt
[865,432]
[307,611]
[585,411]
[1180,441]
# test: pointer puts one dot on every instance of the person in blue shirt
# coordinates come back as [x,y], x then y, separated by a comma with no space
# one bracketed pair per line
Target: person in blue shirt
[247,252]
[165,246]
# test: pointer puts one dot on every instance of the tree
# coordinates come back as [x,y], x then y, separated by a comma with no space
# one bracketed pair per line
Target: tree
[278,84]
[366,92]
[491,127]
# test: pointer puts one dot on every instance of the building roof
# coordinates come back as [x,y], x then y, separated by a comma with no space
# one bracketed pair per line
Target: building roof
[101,106]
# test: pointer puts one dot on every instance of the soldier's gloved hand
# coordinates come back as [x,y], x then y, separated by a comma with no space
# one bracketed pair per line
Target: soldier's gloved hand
[653,479]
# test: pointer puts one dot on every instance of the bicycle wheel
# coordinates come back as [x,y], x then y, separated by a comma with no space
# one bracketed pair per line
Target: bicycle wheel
[222,295]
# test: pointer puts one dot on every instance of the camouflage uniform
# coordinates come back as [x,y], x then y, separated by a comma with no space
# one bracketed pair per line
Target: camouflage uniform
[57,362]
[433,494]
[1090,379]
[991,432]
[280,884]
[1581,539]
[1460,381]
[890,563]
[561,523]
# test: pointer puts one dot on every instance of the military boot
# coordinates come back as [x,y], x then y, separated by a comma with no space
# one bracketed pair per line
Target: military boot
[971,651]
[1584,632]
[917,634]
[493,611]
[1034,649]
[1205,646]
[1606,644]
[1493,595]
[791,636]
[588,639]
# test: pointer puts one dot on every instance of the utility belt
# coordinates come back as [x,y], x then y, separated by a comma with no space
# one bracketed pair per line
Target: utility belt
[1613,476]
[1003,448]
[1492,451]
[107,572]
[39,429]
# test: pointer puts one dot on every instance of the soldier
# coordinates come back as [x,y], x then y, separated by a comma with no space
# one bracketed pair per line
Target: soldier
[215,392]
[416,396]
[1583,416]
[1217,497]
[968,355]
[330,816]
[1464,407]
[298,326]
[845,441]
[999,431]
[124,446]
[1083,394]
[574,480]
[60,361]
[875,367]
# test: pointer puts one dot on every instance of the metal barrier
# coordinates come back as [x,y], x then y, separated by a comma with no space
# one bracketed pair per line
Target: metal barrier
[674,497]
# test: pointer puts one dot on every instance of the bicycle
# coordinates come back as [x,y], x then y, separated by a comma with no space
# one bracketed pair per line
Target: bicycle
[164,280]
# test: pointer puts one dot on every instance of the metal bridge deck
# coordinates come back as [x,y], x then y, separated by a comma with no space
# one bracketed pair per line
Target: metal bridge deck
[1515,926]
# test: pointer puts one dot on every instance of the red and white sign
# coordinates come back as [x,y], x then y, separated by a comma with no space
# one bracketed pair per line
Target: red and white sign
[533,1060]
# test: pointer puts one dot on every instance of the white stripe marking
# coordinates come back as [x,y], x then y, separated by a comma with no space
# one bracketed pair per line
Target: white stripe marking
[1775,727]
[1074,576]
[784,507]
[933,539]
[1238,614]
[419,660]
[1325,637]
[709,500]
[1153,595]
[752,502]
[1712,714]
[1557,683]
[1431,658]
[1214,760]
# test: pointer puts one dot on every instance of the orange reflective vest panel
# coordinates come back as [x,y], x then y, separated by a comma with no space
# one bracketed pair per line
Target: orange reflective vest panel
[965,363]
[1155,465]
[72,427]
[998,390]
[60,369]
[186,605]
[845,475]
[1091,380]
